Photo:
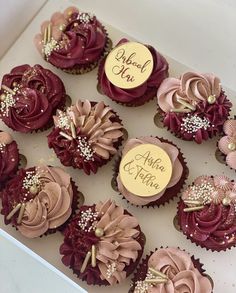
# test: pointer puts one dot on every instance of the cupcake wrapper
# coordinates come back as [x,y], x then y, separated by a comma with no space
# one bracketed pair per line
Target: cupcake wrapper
[11,175]
[170,193]
[81,69]
[198,243]
[142,269]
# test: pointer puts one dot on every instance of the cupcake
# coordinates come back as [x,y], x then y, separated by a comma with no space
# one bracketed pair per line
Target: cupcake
[151,171]
[9,157]
[227,144]
[207,212]
[86,135]
[193,107]
[29,96]
[131,73]
[169,270]
[73,41]
[39,200]
[102,244]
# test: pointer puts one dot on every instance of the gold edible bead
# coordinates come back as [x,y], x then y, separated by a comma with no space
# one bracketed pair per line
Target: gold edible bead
[211,99]
[226,201]
[99,232]
[2,97]
[232,146]
[33,189]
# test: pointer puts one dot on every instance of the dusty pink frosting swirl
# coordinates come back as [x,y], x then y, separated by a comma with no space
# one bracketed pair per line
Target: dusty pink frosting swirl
[118,245]
[94,120]
[177,170]
[191,87]
[227,144]
[179,268]
[51,207]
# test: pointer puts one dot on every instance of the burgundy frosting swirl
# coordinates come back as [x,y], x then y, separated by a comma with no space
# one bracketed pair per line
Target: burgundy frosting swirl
[81,42]
[141,93]
[37,93]
[9,159]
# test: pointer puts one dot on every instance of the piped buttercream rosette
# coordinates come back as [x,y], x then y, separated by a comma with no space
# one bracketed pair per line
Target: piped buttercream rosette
[193,107]
[86,135]
[207,212]
[72,40]
[170,270]
[227,144]
[39,200]
[102,244]
[29,97]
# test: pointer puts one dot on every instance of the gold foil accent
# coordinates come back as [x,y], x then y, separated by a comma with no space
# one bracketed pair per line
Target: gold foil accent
[180,110]
[72,127]
[158,273]
[85,262]
[15,210]
[187,105]
[193,209]
[21,213]
[129,65]
[93,261]
[65,135]
[193,202]
[49,33]
[145,170]
[6,88]
[156,281]
[45,36]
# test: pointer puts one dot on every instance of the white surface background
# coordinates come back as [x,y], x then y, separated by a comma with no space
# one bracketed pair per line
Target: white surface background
[199,34]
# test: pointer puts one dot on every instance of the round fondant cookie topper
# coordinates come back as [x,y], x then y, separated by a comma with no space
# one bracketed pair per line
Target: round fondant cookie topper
[129,65]
[145,170]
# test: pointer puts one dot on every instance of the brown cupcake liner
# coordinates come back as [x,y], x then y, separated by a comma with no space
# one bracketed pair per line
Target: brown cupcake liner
[81,69]
[142,269]
[170,193]
[197,243]
[10,176]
